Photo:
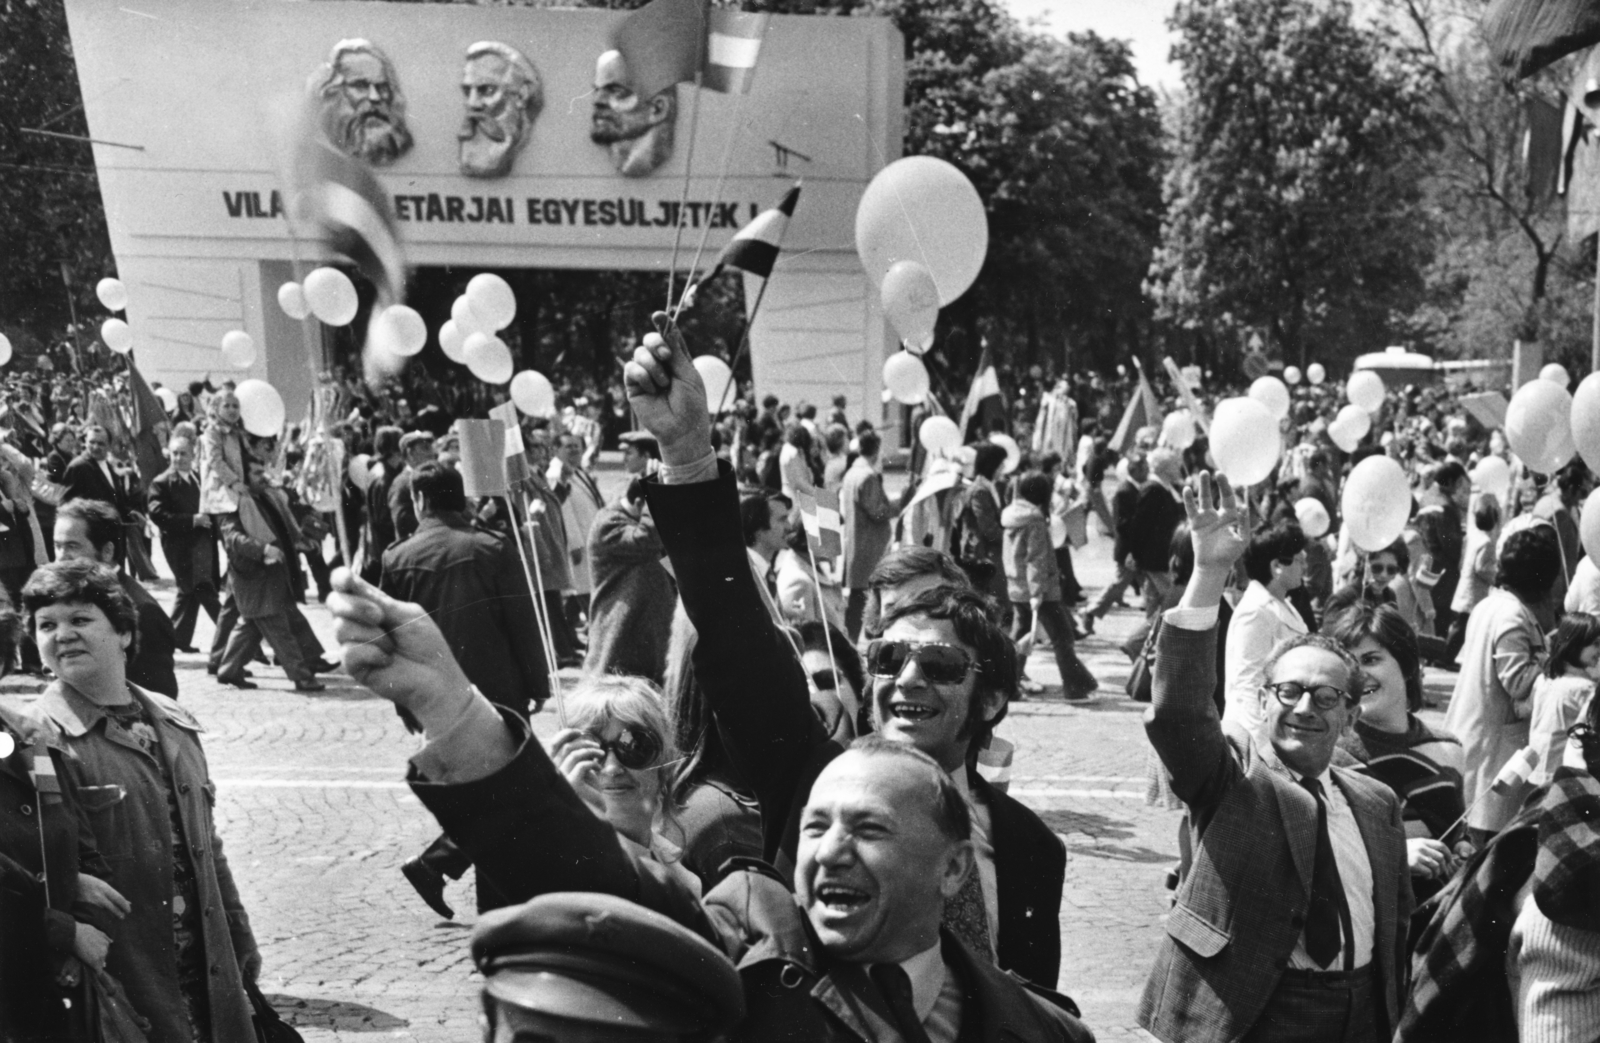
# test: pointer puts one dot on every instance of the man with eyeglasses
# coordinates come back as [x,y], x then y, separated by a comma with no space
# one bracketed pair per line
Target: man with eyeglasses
[940,679]
[1290,914]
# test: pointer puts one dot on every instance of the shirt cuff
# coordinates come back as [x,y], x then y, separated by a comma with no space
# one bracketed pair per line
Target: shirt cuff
[701,470]
[1192,618]
[475,746]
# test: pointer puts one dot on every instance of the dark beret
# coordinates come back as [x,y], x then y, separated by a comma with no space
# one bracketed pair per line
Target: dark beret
[599,959]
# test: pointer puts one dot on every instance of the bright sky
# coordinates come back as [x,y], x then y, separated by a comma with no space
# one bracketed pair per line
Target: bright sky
[1143,22]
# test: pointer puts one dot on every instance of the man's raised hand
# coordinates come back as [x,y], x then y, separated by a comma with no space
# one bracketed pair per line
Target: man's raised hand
[667,394]
[1214,519]
[393,648]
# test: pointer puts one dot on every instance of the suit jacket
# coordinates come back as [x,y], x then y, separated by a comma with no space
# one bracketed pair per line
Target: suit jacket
[756,689]
[191,551]
[260,589]
[86,481]
[530,834]
[868,522]
[152,667]
[1240,909]
[473,586]
[1156,516]
[1124,502]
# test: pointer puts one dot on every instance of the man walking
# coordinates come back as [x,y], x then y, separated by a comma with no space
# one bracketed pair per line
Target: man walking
[416,447]
[187,540]
[868,526]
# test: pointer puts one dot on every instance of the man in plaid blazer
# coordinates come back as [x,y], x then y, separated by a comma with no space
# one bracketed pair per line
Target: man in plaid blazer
[1289,923]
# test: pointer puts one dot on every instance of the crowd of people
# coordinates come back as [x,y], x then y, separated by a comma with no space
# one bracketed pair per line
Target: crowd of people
[777,773]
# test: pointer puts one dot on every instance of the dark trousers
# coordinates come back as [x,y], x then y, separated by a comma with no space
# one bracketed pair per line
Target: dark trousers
[444,857]
[1071,589]
[186,608]
[321,572]
[561,632]
[245,642]
[1322,1007]
[855,611]
[1126,577]
[577,606]
[1076,680]
[227,619]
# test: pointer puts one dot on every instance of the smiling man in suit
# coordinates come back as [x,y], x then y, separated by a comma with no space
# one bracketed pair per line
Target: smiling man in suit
[1289,921]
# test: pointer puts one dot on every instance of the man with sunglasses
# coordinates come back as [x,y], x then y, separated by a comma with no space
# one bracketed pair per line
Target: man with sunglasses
[1290,914]
[939,681]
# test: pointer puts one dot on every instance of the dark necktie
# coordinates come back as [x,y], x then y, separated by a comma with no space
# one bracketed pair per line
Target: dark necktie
[1328,915]
[895,985]
[968,917]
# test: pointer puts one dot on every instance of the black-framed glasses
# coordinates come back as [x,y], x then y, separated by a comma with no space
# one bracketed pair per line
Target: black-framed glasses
[1323,696]
[634,749]
[940,663]
[825,681]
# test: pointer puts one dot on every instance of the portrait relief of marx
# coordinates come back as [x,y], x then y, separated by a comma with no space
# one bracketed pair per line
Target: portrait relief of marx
[503,96]
[636,131]
[361,108]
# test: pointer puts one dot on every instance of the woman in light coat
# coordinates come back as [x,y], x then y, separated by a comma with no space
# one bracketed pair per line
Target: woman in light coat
[1501,656]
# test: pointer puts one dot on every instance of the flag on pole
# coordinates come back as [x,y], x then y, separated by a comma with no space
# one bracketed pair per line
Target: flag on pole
[1185,386]
[754,248]
[661,44]
[732,46]
[819,513]
[150,426]
[45,782]
[985,408]
[1526,35]
[1143,410]
[346,206]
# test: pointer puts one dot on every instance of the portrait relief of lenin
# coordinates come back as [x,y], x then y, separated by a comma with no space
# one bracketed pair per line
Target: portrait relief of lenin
[360,106]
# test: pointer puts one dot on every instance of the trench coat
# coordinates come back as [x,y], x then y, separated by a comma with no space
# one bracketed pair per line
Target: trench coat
[630,616]
[124,798]
[1501,656]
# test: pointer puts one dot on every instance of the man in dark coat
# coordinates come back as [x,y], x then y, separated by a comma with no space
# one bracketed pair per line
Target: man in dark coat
[857,952]
[868,527]
[187,540]
[1156,516]
[630,614]
[92,477]
[90,529]
[379,531]
[1440,522]
[417,449]
[1124,505]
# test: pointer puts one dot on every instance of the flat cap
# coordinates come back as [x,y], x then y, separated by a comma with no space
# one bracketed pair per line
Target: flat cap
[411,438]
[598,959]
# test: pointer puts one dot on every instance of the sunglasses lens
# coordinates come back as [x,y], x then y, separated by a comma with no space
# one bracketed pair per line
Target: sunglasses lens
[942,665]
[824,680]
[886,658]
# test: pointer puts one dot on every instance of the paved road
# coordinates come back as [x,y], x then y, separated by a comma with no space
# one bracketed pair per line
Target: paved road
[316,822]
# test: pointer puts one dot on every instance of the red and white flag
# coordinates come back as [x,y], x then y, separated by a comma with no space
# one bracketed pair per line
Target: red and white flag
[819,513]
[733,43]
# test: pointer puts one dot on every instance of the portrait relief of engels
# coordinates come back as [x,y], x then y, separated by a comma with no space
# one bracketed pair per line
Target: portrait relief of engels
[361,107]
[503,95]
[637,132]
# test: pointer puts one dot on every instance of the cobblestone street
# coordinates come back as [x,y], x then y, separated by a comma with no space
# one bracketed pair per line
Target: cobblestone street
[316,820]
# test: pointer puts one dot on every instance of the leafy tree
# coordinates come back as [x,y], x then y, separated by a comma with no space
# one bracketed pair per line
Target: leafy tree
[50,209]
[1292,201]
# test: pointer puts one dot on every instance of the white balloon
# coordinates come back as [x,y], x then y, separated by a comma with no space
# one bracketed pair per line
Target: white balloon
[238,349]
[718,379]
[1555,372]
[1342,436]
[1365,389]
[1376,503]
[533,393]
[492,301]
[1586,420]
[1291,375]
[1315,373]
[1245,440]
[1493,476]
[5,349]
[488,358]
[168,397]
[1013,450]
[331,296]
[1313,517]
[1271,392]
[260,408]
[292,299]
[1178,430]
[1539,425]
[465,318]
[8,745]
[1356,420]
[112,294]
[939,434]
[905,377]
[117,335]
[360,471]
[399,330]
[453,342]
[921,208]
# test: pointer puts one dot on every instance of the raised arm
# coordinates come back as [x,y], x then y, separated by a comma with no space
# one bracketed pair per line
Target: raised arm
[1182,722]
[745,666]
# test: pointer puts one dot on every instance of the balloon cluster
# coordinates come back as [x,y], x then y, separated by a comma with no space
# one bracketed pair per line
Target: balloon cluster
[922,235]
[469,338]
[116,333]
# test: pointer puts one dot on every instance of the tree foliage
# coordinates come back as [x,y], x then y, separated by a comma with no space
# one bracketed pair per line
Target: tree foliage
[1292,200]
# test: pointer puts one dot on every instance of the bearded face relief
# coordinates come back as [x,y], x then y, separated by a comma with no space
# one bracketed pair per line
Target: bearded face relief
[502,95]
[637,132]
[363,112]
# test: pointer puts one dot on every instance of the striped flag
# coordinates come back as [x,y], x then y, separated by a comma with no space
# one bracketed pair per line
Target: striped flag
[45,782]
[1143,411]
[732,46]
[754,248]
[985,408]
[819,513]
[343,201]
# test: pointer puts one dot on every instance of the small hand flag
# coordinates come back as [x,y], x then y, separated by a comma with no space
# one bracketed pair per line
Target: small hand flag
[819,512]
[45,782]
[754,248]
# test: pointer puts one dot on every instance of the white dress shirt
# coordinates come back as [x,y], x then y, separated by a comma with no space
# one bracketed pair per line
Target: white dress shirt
[935,994]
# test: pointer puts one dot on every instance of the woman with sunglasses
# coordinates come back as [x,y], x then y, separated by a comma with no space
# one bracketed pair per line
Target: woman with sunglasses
[618,755]
[1421,765]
